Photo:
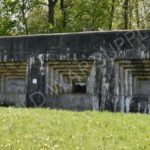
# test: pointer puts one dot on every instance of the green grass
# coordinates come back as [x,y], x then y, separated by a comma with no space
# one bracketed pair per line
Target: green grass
[44,129]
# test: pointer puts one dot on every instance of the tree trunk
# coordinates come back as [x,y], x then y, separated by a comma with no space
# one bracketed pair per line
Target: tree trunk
[125,14]
[63,11]
[111,14]
[24,16]
[51,12]
[130,10]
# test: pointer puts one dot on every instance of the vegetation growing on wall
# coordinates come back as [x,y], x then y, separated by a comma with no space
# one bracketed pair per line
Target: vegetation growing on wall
[47,16]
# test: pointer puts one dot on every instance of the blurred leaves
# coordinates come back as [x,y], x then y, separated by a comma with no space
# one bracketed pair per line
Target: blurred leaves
[31,16]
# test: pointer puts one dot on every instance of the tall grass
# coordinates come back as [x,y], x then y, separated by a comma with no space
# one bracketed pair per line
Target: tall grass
[44,129]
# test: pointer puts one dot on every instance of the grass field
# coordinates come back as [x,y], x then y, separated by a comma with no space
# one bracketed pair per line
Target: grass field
[44,129]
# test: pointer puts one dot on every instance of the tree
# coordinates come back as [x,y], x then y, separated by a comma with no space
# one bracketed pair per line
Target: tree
[47,16]
[7,23]
[137,13]
[37,21]
[111,12]
[125,14]
[50,4]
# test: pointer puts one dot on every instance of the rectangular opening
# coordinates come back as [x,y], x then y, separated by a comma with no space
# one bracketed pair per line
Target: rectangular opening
[79,88]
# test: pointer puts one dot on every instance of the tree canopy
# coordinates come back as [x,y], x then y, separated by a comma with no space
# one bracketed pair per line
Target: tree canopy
[50,16]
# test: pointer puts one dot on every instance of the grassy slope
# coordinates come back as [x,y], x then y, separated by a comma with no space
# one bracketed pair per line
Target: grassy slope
[50,129]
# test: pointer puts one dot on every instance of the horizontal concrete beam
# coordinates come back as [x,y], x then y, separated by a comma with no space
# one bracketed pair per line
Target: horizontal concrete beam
[13,74]
[138,67]
[68,62]
[138,70]
[84,80]
[71,67]
[13,64]
[18,77]
[139,76]
[12,71]
[74,71]
[132,61]
[144,72]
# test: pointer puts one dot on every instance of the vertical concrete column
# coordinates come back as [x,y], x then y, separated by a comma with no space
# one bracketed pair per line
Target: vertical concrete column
[29,81]
[36,82]
[26,79]
[134,86]
[129,81]
[122,98]
[47,76]
[116,89]
[126,82]
[3,87]
[148,105]
[95,95]
[50,85]
[51,80]
[65,85]
[135,92]
[2,84]
[130,84]
[127,103]
[0,87]
[55,82]
[60,83]
[130,88]
[139,107]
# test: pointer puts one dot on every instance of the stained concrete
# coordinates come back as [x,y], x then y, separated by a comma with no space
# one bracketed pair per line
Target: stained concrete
[71,101]
[120,60]
[13,84]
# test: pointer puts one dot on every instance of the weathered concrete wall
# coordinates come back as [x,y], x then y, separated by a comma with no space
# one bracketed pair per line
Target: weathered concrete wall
[114,82]
[61,78]
[144,87]
[13,84]
[122,44]
[71,101]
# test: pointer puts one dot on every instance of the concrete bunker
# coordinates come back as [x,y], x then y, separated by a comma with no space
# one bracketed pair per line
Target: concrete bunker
[89,70]
[132,84]
[70,84]
[13,84]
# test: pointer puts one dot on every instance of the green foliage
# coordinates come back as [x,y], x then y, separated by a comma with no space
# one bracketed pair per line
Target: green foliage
[37,22]
[7,23]
[31,16]
[44,129]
